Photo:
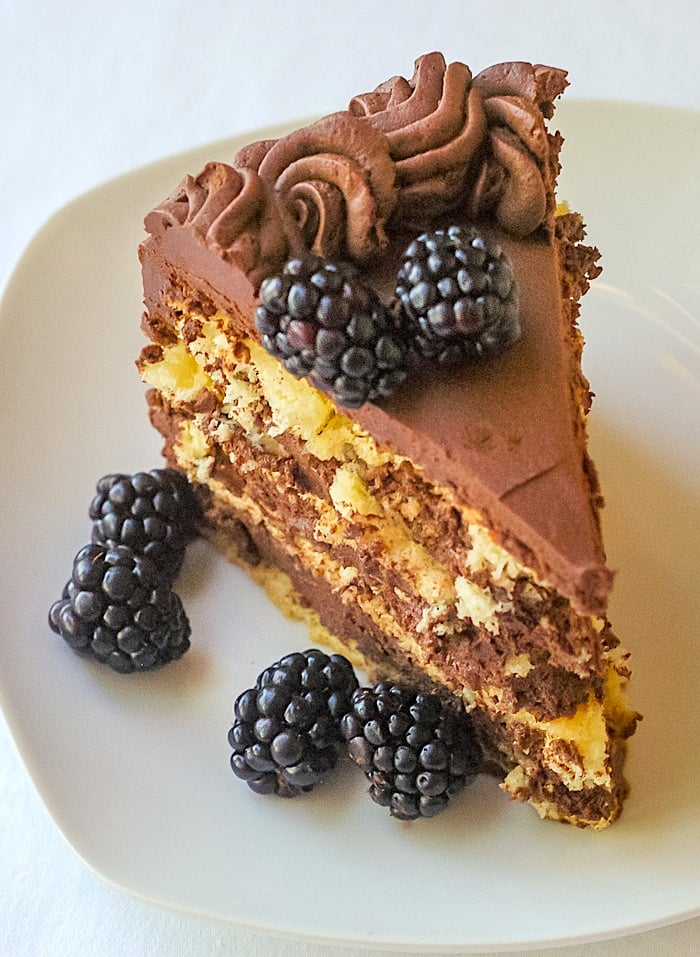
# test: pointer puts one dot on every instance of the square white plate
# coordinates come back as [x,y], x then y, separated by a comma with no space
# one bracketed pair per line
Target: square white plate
[135,769]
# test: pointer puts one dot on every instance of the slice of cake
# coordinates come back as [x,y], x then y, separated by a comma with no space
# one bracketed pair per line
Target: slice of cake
[444,532]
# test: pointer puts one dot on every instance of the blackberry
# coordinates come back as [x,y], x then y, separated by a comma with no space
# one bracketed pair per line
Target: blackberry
[286,730]
[155,513]
[322,322]
[459,294]
[117,608]
[416,752]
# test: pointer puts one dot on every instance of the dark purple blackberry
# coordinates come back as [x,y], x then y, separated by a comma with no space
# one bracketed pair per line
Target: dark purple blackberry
[416,751]
[286,731]
[117,608]
[155,513]
[322,322]
[459,294]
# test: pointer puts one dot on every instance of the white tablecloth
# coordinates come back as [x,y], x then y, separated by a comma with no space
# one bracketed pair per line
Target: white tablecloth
[90,90]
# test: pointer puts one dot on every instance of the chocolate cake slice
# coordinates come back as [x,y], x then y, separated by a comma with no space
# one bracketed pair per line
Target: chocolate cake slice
[445,532]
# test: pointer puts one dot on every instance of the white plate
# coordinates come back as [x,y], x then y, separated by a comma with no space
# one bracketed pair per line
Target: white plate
[135,770]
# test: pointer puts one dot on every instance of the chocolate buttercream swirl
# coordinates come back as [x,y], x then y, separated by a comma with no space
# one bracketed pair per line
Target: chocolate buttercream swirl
[406,153]
[514,181]
[329,187]
[435,126]
[222,204]
[480,144]
[332,186]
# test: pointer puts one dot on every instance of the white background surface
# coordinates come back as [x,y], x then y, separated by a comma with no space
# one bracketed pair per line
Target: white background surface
[90,90]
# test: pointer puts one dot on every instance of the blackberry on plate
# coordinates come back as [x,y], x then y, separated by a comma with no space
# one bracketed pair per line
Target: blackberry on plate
[155,513]
[322,322]
[286,730]
[416,751]
[458,291]
[117,609]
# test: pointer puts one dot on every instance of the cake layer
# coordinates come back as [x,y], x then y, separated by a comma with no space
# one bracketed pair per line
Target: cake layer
[568,768]
[365,535]
[349,520]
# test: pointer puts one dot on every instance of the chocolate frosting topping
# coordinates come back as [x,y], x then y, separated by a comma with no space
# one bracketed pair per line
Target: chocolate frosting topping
[441,141]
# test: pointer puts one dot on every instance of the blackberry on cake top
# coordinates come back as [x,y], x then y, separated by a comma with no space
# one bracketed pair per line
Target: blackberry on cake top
[322,322]
[459,294]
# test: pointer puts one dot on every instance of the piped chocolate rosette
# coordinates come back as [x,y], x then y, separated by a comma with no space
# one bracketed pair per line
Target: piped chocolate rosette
[400,161]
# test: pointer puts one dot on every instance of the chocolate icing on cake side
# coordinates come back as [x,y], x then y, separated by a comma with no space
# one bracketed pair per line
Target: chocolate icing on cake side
[442,147]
